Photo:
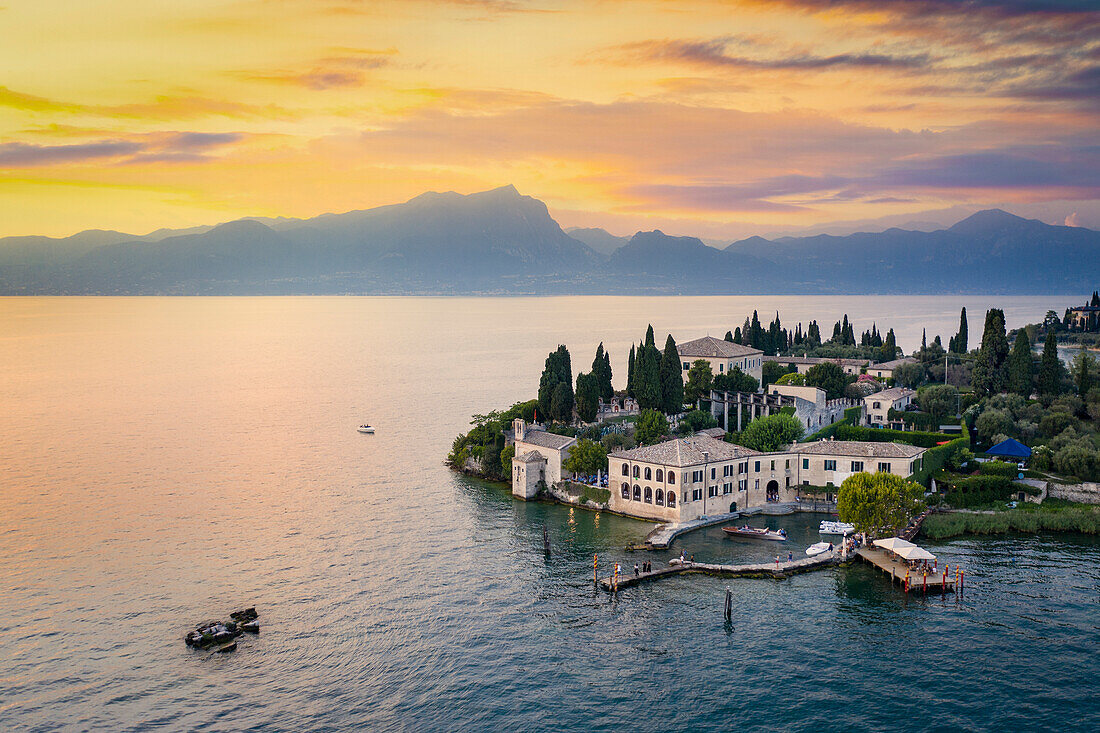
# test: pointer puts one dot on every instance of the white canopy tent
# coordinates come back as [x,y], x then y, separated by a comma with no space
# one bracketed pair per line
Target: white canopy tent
[915,553]
[893,544]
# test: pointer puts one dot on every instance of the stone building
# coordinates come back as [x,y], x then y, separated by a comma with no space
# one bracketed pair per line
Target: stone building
[539,457]
[811,407]
[885,370]
[722,355]
[804,363]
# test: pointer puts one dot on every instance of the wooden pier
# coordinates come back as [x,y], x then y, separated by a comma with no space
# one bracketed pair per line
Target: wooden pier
[896,569]
[755,570]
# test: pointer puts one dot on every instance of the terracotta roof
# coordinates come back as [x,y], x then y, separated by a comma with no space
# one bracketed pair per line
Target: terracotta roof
[890,395]
[708,346]
[894,364]
[686,452]
[544,439]
[817,360]
[858,449]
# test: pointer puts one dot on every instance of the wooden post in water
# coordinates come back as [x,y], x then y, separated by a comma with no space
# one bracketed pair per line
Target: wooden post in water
[729,605]
[546,539]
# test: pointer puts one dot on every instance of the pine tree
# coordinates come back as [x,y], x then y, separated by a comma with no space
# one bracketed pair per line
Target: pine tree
[630,360]
[1020,367]
[672,383]
[1050,367]
[989,376]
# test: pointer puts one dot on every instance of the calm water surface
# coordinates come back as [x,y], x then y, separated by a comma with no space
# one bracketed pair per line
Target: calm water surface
[163,461]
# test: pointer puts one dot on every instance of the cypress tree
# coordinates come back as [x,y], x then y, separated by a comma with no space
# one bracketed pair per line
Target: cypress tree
[672,383]
[1050,372]
[601,371]
[607,390]
[924,339]
[649,342]
[813,333]
[989,369]
[958,345]
[729,336]
[1020,367]
[561,402]
[630,372]
[889,349]
[647,378]
[557,371]
[737,335]
[756,333]
[587,396]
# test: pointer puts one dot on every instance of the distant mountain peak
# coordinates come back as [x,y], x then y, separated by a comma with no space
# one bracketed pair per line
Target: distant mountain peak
[988,219]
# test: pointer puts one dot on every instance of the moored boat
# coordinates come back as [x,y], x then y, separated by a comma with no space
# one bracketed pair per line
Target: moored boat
[757,533]
[837,528]
[366,429]
[817,549]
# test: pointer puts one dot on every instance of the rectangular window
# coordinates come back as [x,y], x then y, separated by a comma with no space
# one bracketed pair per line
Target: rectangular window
[721,368]
[756,484]
[830,465]
[713,491]
[686,366]
[713,473]
[742,484]
[788,482]
[788,466]
[805,463]
[727,469]
[805,483]
[857,466]
[884,467]
[696,494]
[727,488]
[757,468]
[773,465]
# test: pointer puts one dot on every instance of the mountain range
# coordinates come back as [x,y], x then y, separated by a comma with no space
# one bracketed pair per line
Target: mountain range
[501,242]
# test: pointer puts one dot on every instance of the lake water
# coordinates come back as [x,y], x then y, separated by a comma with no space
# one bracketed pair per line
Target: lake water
[165,461]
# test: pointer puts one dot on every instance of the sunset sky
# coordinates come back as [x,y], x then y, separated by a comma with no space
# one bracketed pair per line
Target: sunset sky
[708,117]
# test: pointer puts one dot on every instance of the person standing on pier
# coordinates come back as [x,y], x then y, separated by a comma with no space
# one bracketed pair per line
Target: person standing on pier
[635,569]
[790,556]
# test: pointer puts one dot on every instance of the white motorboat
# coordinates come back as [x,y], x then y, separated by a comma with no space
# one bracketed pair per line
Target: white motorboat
[366,429]
[758,533]
[837,528]
[817,549]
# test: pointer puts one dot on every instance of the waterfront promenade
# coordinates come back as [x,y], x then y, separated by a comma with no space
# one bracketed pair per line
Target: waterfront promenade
[896,569]
[752,570]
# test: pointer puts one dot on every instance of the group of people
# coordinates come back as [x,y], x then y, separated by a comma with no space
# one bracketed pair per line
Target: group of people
[647,567]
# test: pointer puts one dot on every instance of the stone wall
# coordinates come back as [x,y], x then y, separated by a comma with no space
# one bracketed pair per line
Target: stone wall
[1086,493]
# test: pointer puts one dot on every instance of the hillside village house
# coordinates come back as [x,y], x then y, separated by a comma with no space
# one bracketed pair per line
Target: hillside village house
[722,355]
[803,363]
[885,370]
[539,457]
[877,406]
[687,478]
[811,407]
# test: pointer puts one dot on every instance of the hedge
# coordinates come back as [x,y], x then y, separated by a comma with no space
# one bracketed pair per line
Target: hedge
[981,490]
[882,435]
[933,459]
[998,468]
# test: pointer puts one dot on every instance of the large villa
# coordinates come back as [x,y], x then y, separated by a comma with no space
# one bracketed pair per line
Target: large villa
[690,477]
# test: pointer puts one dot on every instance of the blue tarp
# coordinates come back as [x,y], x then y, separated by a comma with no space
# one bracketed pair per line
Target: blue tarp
[1010,449]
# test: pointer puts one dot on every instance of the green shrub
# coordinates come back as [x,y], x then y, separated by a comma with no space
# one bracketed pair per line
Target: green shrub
[879,435]
[933,460]
[998,468]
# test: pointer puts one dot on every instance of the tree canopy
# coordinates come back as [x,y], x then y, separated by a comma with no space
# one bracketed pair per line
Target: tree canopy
[1050,367]
[586,457]
[990,376]
[879,503]
[1021,368]
[828,376]
[587,396]
[672,383]
[735,380]
[651,427]
[771,433]
[699,380]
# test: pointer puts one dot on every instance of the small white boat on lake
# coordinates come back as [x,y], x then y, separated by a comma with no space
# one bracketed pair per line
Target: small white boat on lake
[817,549]
[837,528]
[757,533]
[366,429]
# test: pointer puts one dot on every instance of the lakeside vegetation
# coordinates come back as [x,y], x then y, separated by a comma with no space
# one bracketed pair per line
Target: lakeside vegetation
[1052,516]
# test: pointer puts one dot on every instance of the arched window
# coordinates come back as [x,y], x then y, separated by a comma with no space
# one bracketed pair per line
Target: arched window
[671,477]
[648,495]
[626,470]
[660,498]
[672,498]
[637,493]
[660,475]
[648,474]
[626,490]
[636,472]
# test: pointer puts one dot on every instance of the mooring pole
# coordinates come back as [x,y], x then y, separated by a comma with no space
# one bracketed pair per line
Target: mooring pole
[729,604]
[546,539]
[595,578]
